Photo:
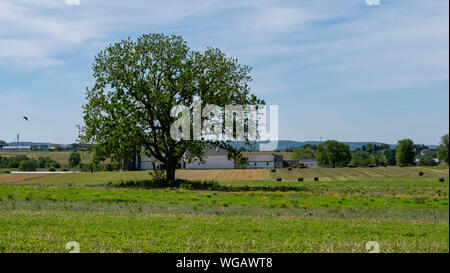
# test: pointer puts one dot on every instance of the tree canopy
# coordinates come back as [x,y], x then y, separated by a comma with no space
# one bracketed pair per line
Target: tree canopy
[333,153]
[390,157]
[362,159]
[74,159]
[443,149]
[305,152]
[406,152]
[138,82]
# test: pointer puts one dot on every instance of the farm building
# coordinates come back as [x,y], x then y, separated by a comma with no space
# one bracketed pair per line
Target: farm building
[291,164]
[213,159]
[265,161]
[140,163]
[148,163]
[17,148]
[428,152]
[308,163]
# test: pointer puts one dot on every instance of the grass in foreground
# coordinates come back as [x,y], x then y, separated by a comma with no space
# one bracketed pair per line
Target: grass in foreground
[327,217]
[49,231]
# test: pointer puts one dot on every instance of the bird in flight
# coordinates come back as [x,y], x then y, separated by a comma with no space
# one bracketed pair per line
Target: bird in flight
[25,118]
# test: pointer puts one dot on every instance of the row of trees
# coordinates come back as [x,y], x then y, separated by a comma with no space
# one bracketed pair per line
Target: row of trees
[24,163]
[337,154]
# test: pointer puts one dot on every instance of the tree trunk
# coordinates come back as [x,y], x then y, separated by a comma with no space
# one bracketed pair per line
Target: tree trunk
[170,169]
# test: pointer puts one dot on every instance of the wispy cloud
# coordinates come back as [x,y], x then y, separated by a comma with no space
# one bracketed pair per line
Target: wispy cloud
[301,51]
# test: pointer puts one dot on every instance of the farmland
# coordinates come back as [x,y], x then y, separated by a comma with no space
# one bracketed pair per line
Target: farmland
[249,175]
[345,209]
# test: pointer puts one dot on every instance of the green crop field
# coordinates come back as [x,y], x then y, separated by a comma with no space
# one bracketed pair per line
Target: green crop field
[61,157]
[379,174]
[337,214]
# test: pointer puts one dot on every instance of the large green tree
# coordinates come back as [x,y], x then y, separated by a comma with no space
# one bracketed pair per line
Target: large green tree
[304,153]
[390,157]
[138,82]
[362,159]
[74,159]
[333,153]
[405,153]
[443,149]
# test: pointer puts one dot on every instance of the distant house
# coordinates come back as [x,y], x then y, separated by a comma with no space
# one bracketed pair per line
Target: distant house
[140,163]
[436,161]
[308,163]
[291,163]
[213,159]
[148,163]
[17,148]
[428,151]
[265,161]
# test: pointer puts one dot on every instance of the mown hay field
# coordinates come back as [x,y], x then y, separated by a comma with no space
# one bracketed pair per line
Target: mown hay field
[241,175]
[343,211]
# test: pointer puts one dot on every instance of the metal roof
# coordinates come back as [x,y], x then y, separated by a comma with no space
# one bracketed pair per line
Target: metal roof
[261,158]
[308,161]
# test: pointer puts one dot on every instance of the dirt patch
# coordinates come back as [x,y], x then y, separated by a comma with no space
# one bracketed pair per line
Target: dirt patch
[441,171]
[19,177]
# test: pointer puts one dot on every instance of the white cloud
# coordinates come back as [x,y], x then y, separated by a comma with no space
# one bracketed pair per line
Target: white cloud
[73,2]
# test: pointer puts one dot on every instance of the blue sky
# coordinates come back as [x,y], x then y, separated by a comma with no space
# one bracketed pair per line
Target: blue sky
[338,69]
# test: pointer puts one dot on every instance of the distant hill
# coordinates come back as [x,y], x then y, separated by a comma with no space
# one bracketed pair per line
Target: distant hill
[27,143]
[31,143]
[282,144]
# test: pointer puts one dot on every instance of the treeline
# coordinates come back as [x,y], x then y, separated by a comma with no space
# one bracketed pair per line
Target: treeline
[23,163]
[337,154]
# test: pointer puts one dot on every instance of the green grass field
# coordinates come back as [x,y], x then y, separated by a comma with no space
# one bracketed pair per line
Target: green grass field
[392,206]
[378,174]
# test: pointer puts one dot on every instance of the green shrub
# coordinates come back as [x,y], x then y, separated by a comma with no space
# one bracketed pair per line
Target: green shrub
[65,169]
[12,162]
[98,167]
[85,167]
[74,159]
[199,185]
[109,167]
[55,165]
[28,165]
[51,169]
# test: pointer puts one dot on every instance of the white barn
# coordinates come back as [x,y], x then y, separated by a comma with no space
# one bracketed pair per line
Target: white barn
[213,159]
[148,163]
[309,163]
[265,161]
[17,148]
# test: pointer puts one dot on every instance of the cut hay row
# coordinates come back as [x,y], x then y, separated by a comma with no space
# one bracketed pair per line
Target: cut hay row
[248,175]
